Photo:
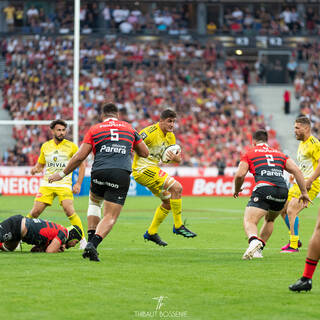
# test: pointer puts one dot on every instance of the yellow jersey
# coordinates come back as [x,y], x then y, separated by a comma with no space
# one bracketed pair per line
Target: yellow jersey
[56,157]
[308,156]
[156,142]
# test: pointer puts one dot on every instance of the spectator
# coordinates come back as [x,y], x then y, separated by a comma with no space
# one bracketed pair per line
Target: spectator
[292,68]
[106,16]
[211,27]
[19,17]
[286,98]
[9,12]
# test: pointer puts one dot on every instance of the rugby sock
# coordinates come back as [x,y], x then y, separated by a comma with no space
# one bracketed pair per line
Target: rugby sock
[96,239]
[91,234]
[253,237]
[294,241]
[309,268]
[75,221]
[296,226]
[286,220]
[176,207]
[2,247]
[160,214]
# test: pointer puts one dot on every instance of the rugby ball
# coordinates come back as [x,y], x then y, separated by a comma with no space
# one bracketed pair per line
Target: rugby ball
[175,148]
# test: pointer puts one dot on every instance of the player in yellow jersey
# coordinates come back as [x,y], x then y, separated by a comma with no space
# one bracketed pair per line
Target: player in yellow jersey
[54,156]
[308,156]
[146,171]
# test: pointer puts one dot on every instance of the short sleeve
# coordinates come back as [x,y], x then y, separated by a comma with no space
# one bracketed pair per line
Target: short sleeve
[42,159]
[88,138]
[316,151]
[74,149]
[145,136]
[244,158]
[137,138]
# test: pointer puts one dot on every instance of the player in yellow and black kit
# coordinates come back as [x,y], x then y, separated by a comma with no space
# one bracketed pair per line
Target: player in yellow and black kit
[308,157]
[54,156]
[146,171]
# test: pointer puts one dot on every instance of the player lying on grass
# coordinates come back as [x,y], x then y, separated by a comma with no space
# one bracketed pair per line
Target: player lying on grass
[270,193]
[45,235]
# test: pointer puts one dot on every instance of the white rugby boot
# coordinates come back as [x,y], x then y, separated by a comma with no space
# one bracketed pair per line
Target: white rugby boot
[254,245]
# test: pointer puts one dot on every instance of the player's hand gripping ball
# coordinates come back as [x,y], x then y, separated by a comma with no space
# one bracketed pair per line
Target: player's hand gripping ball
[174,148]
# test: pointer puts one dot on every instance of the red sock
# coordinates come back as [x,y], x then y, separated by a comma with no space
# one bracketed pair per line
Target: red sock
[1,247]
[309,268]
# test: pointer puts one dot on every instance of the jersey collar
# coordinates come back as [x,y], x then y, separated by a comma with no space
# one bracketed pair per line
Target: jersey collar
[59,144]
[108,119]
[262,144]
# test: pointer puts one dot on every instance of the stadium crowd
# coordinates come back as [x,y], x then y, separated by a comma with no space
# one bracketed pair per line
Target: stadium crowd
[307,82]
[96,16]
[146,19]
[288,21]
[215,112]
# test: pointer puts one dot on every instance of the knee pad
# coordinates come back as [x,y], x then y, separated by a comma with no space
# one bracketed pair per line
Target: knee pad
[94,208]
[170,183]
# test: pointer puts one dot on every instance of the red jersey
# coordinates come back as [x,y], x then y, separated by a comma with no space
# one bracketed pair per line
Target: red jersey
[112,144]
[266,164]
[42,232]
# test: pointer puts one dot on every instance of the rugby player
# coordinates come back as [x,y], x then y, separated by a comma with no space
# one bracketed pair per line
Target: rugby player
[54,156]
[270,192]
[45,235]
[146,171]
[308,157]
[112,142]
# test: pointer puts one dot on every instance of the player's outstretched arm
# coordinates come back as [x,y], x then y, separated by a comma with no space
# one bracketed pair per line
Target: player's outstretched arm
[74,162]
[239,177]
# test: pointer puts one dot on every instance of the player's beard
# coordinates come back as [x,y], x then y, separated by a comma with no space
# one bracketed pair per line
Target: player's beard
[59,138]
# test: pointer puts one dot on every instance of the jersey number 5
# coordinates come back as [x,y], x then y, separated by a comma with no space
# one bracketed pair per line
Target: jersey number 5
[114,134]
[270,160]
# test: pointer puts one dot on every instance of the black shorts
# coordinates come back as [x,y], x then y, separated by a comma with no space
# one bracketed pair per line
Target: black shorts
[10,229]
[111,184]
[269,198]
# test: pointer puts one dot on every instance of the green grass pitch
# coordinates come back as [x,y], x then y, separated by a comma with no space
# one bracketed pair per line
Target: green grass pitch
[201,278]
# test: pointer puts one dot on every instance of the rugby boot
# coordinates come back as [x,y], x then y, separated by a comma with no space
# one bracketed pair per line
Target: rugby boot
[154,238]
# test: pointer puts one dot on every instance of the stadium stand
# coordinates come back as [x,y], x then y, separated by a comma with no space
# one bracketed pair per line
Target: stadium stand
[216,113]
[306,83]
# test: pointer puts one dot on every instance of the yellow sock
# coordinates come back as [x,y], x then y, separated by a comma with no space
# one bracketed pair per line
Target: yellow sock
[75,221]
[294,242]
[176,207]
[160,214]
[29,216]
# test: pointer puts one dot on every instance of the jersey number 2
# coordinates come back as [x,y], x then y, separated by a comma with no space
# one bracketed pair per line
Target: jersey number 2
[114,134]
[270,160]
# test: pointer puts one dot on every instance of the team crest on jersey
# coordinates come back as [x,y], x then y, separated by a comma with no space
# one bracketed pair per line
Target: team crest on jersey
[161,173]
[55,156]
[255,199]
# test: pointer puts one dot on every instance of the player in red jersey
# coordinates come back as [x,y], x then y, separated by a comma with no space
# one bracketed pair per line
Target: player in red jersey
[270,192]
[45,235]
[112,142]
